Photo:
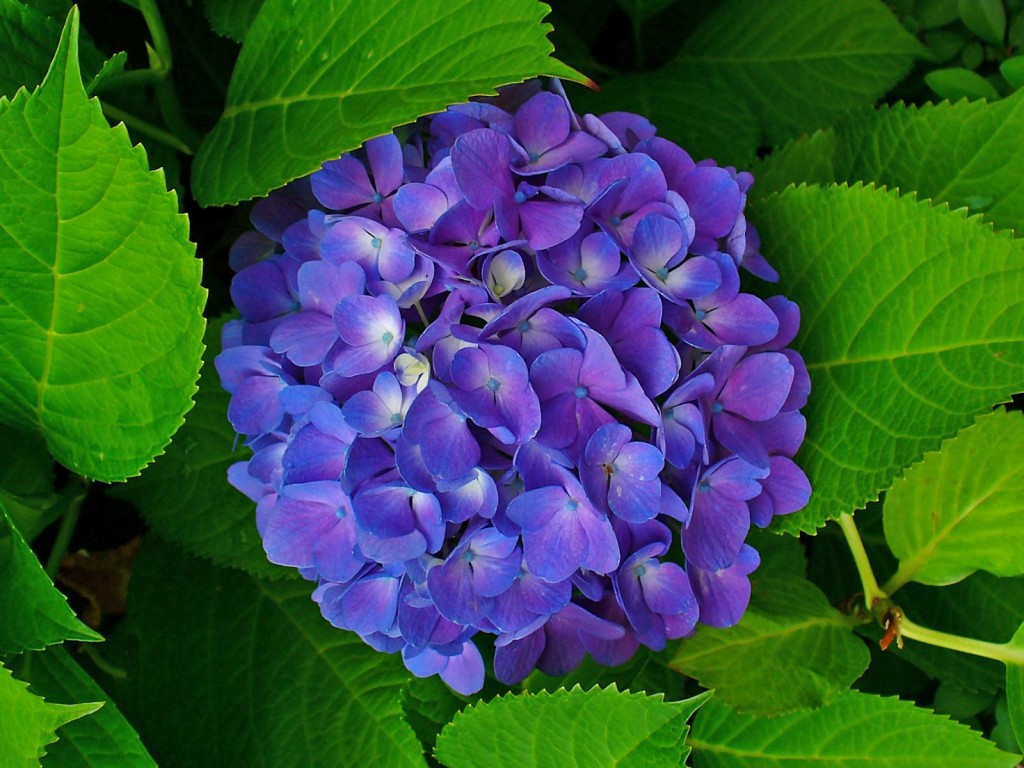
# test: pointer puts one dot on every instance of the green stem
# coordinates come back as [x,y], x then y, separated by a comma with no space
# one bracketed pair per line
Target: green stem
[903,574]
[66,530]
[423,315]
[146,129]
[1003,652]
[872,592]
[102,664]
[155,24]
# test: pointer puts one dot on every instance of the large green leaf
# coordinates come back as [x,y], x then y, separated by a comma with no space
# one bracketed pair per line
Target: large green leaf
[912,325]
[262,678]
[317,79]
[185,496]
[967,154]
[855,730]
[797,64]
[231,18]
[29,723]
[27,39]
[569,729]
[33,614]
[792,650]
[727,131]
[962,508]
[981,606]
[100,740]
[26,482]
[100,301]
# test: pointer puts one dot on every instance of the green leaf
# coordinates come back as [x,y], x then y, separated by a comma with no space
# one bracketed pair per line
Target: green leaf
[267,681]
[897,370]
[985,18]
[231,18]
[962,508]
[102,739]
[185,496]
[965,154]
[27,39]
[955,83]
[1015,690]
[935,13]
[102,365]
[727,131]
[797,65]
[1012,71]
[345,72]
[981,606]
[855,730]
[26,483]
[569,729]
[641,10]
[646,672]
[791,650]
[33,614]
[428,705]
[29,723]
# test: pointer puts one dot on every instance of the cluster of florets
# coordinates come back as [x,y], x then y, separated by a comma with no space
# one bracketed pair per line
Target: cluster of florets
[491,371]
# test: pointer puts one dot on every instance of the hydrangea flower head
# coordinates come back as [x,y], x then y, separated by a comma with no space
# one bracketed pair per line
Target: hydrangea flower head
[500,381]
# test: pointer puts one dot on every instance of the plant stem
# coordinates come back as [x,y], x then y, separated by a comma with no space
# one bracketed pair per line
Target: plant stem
[423,315]
[146,129]
[903,574]
[1003,652]
[66,530]
[872,592]
[102,664]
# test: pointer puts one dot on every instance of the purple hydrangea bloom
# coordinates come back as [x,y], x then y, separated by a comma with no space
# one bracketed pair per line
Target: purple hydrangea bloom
[499,378]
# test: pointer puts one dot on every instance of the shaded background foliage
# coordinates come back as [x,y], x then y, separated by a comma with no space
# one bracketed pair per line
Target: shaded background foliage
[901,251]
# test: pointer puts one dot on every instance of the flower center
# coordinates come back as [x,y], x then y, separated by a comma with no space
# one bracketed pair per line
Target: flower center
[704,486]
[700,314]
[572,505]
[534,157]
[640,570]
[467,556]
[378,198]
[661,273]
[615,220]
[717,407]
[493,384]
[520,197]
[387,337]
[375,242]
[396,418]
[524,326]
[581,392]
[580,274]
[668,413]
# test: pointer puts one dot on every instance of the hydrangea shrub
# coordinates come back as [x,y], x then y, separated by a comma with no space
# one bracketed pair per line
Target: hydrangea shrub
[527,395]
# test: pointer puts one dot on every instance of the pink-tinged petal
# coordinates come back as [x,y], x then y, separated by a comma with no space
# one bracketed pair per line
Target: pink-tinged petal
[736,479]
[667,590]
[261,292]
[723,595]
[788,486]
[322,284]
[385,156]
[542,123]
[556,550]
[464,672]
[602,547]
[534,509]
[741,437]
[758,386]
[480,160]
[342,184]
[714,199]
[656,242]
[744,320]
[304,338]
[419,206]
[547,223]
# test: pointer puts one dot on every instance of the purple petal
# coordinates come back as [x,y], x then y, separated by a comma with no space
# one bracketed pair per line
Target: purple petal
[758,386]
[480,160]
[723,595]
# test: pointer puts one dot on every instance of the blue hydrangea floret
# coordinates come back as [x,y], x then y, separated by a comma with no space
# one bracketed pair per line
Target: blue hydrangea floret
[499,379]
